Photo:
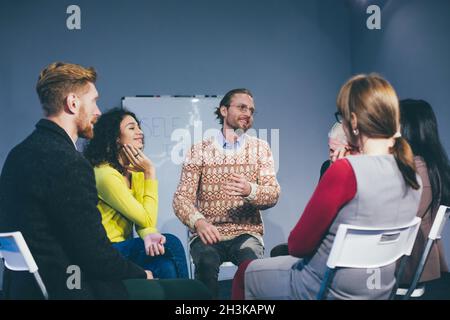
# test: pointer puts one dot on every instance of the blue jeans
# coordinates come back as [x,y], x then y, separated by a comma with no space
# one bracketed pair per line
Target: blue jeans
[171,265]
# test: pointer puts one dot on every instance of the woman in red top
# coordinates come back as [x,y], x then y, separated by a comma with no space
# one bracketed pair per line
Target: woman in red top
[378,188]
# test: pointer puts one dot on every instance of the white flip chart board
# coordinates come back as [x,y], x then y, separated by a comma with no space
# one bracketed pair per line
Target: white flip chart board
[171,124]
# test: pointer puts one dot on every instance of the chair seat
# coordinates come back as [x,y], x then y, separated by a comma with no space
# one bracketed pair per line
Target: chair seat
[418,292]
[227,264]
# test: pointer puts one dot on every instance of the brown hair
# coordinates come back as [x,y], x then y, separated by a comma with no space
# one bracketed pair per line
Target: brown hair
[226,101]
[374,102]
[57,80]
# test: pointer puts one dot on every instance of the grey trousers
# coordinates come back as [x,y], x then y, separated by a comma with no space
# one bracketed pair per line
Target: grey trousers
[279,278]
[270,279]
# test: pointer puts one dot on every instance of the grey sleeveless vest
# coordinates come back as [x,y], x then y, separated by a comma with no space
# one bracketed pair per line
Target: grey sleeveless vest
[382,200]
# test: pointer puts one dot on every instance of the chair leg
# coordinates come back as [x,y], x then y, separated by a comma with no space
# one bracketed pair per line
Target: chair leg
[419,270]
[188,255]
[398,277]
[325,282]
[41,284]
[191,267]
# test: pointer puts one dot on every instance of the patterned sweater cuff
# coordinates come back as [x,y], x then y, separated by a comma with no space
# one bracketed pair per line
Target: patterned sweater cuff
[193,219]
[252,195]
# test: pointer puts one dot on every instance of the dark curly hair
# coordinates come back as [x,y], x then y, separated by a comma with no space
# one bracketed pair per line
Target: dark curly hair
[103,148]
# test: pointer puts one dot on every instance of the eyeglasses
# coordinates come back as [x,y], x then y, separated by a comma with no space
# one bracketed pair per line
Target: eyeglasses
[244,108]
[338,116]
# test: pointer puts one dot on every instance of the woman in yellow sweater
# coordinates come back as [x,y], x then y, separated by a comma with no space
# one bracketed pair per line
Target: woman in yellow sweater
[128,195]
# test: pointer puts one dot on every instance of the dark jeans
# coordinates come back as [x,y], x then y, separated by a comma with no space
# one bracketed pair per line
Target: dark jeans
[208,258]
[171,265]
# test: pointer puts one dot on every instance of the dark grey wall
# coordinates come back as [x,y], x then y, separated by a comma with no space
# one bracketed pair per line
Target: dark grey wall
[412,50]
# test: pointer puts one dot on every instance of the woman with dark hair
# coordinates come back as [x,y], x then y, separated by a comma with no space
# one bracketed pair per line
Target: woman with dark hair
[377,188]
[419,128]
[128,195]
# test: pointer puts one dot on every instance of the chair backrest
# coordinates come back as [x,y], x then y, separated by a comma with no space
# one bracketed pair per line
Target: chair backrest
[15,252]
[17,256]
[361,247]
[439,222]
[435,234]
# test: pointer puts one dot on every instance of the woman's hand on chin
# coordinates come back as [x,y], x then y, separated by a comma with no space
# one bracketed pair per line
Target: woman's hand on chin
[139,162]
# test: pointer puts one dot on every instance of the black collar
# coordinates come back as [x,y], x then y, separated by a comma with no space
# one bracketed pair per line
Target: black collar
[52,126]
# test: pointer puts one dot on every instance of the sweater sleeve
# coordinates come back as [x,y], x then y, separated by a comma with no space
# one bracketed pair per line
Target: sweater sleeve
[185,198]
[113,190]
[336,188]
[265,193]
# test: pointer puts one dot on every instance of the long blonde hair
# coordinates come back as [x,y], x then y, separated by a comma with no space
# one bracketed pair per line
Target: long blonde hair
[374,102]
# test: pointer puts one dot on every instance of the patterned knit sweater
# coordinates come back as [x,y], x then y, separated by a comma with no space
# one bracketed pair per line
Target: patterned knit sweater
[207,167]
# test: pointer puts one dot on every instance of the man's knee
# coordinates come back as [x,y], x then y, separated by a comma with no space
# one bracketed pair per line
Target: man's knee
[251,248]
[205,257]
[249,241]
[208,260]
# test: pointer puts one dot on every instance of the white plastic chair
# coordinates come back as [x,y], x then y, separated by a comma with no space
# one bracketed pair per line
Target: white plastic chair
[17,257]
[435,234]
[226,264]
[361,247]
[191,266]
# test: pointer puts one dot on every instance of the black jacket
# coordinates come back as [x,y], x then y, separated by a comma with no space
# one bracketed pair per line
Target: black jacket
[47,191]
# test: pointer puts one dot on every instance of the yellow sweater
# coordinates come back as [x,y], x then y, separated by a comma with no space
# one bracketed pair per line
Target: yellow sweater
[121,207]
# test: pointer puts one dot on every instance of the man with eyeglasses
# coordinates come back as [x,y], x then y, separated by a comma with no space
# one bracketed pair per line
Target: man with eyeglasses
[225,181]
